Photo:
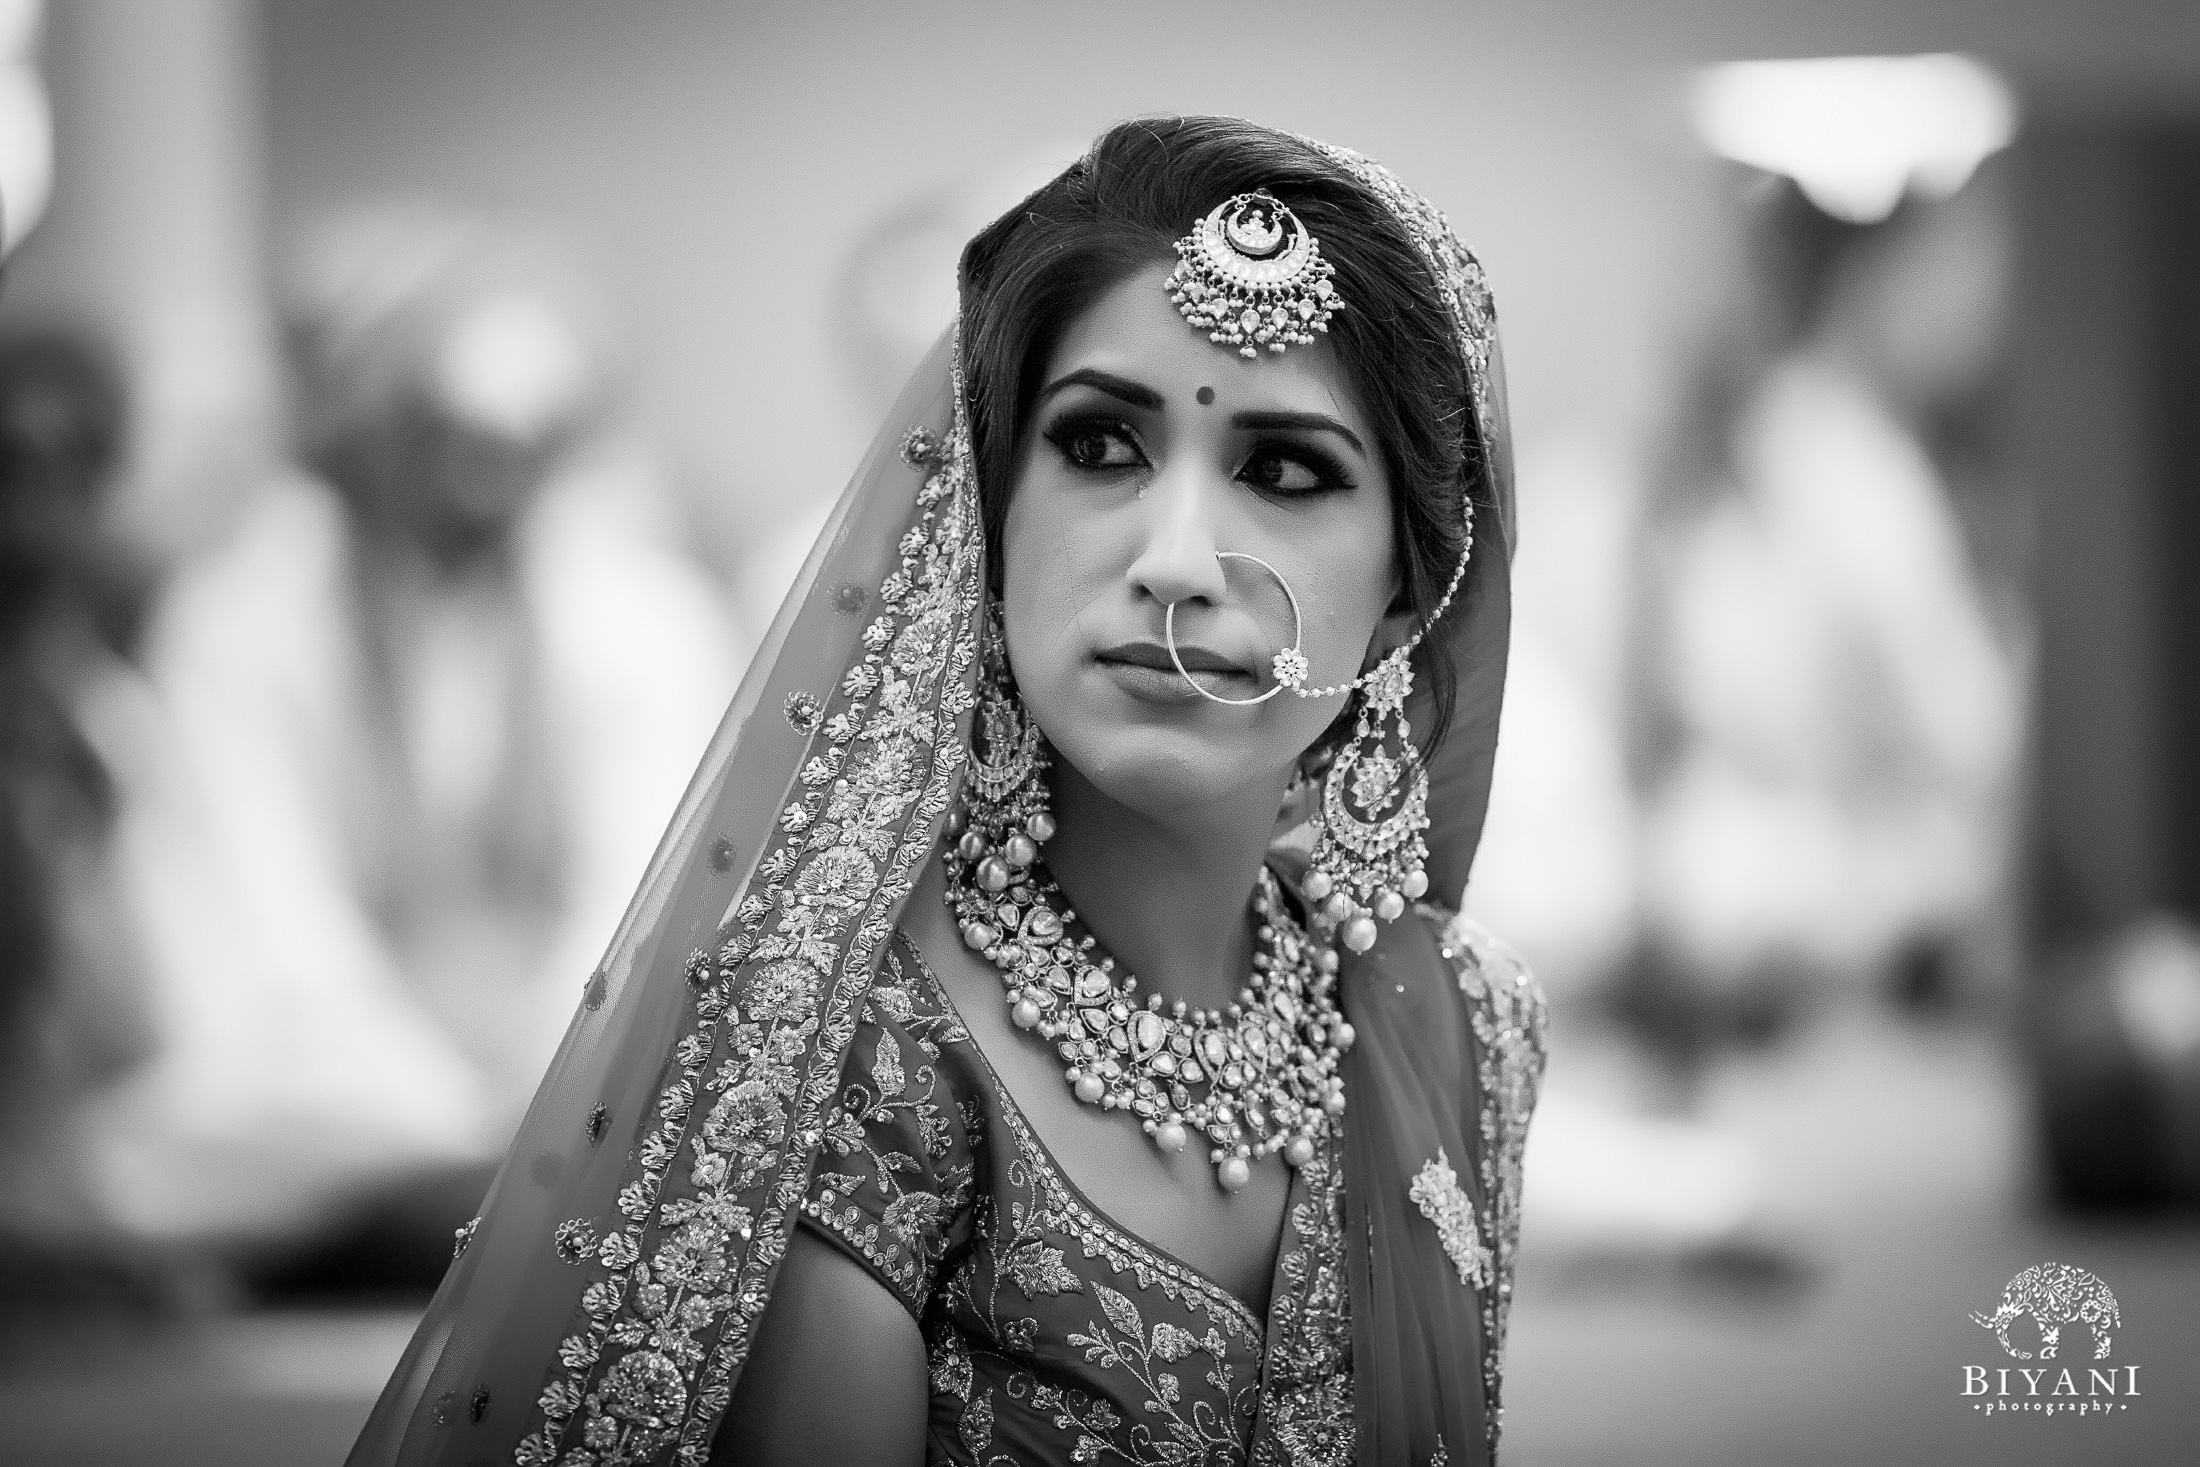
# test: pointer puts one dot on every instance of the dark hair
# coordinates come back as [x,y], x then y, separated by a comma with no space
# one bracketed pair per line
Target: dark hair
[1120,208]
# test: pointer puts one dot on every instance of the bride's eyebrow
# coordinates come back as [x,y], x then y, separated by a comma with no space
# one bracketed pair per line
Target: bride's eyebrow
[1301,422]
[1136,394]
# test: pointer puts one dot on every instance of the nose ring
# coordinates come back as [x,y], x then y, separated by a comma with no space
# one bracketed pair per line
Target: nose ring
[1289,665]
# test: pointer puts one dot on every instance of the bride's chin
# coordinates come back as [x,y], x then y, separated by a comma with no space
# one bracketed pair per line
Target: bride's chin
[1165,772]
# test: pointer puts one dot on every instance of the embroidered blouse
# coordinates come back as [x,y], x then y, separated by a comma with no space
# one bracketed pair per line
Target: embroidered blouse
[1056,1336]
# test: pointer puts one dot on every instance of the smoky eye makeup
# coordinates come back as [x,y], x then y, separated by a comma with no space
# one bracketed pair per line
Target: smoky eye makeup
[1280,461]
[1095,443]
[1289,469]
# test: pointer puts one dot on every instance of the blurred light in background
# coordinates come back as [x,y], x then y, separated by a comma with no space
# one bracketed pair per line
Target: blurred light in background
[26,123]
[1857,132]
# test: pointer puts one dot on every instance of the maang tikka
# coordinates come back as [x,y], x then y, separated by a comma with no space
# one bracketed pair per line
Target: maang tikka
[1249,275]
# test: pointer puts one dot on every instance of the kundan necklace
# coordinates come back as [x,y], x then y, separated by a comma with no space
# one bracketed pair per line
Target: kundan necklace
[1256,1077]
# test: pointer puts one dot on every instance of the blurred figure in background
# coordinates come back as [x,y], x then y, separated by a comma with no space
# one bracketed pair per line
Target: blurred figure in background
[1782,667]
[430,704]
[1827,676]
[71,1013]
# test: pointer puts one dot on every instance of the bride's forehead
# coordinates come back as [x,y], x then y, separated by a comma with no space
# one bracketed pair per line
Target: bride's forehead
[1133,331]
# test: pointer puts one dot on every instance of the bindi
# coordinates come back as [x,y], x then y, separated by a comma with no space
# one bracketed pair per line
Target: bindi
[1206,395]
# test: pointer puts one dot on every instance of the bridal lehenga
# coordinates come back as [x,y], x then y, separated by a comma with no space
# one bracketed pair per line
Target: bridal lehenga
[762,1049]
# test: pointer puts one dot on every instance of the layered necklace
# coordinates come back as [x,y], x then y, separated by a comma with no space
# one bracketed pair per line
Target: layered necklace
[1257,1077]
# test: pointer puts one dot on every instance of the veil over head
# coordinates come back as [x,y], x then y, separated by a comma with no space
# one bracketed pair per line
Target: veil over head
[600,1309]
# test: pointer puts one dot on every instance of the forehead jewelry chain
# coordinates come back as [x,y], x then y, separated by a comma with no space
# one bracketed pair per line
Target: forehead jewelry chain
[1369,858]
[1250,275]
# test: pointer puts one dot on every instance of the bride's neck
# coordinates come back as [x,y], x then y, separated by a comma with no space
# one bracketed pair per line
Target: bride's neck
[1167,901]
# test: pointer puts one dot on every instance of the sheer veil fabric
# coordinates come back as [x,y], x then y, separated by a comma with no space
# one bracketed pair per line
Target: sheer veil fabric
[600,1309]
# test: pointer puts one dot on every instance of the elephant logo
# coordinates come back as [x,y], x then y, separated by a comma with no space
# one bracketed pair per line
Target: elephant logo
[2054,1294]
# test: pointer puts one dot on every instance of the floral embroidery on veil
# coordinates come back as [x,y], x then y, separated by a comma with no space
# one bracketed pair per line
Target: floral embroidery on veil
[1436,1191]
[641,1376]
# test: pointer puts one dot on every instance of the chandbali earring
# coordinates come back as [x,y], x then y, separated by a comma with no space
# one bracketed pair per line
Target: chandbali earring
[1003,817]
[1369,858]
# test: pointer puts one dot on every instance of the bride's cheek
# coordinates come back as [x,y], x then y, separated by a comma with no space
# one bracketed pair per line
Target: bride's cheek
[1342,607]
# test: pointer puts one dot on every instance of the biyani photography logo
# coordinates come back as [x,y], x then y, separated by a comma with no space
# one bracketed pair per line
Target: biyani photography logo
[2053,1297]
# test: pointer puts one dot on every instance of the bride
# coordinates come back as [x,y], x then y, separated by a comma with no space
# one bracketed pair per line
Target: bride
[1040,1038]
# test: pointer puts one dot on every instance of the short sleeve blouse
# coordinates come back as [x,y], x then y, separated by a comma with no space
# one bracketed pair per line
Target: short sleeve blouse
[1054,1335]
[895,1182]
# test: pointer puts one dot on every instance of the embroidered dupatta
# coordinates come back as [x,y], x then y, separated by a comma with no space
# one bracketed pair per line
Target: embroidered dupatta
[600,1309]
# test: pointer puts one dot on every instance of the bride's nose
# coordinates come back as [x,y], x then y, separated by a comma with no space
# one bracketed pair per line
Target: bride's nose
[1176,558]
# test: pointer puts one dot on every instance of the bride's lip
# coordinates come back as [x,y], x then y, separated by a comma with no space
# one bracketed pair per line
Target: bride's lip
[1152,654]
[1143,670]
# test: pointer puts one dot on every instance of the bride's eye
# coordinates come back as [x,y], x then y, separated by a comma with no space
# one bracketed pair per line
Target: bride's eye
[1096,446]
[1291,471]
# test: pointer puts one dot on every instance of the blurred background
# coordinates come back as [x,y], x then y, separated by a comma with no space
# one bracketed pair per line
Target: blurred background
[410,415]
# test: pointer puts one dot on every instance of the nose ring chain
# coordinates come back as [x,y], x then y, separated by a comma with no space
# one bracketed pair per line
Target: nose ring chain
[1369,858]
[1289,665]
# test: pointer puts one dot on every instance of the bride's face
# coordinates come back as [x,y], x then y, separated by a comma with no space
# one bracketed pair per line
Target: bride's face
[1150,450]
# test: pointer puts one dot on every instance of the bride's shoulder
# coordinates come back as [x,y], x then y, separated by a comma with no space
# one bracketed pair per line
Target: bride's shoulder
[1504,1000]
